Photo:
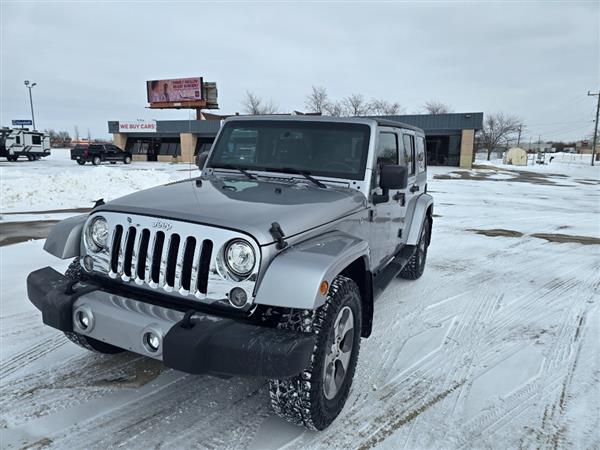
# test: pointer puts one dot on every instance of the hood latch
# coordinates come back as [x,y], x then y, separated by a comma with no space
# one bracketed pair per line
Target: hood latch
[278,235]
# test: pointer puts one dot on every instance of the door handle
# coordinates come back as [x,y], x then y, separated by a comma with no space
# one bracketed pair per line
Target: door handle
[414,188]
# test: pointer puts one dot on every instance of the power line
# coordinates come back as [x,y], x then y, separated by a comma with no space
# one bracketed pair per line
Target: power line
[557,123]
[561,130]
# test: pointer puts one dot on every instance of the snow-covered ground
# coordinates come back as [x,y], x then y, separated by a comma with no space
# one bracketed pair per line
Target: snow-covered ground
[56,182]
[496,346]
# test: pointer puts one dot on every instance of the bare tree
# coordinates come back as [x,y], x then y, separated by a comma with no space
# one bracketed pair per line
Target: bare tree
[89,135]
[334,109]
[355,105]
[436,107]
[64,138]
[254,105]
[76,135]
[317,100]
[498,127]
[381,107]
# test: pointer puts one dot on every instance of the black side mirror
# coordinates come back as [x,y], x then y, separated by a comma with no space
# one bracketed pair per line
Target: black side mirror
[393,177]
[201,159]
[390,177]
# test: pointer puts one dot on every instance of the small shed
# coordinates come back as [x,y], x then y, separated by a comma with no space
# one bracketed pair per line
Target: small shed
[516,156]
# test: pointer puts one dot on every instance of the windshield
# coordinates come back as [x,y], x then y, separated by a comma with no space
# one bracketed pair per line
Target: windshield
[337,150]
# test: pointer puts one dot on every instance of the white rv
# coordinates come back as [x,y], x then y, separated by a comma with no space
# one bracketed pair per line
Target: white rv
[15,142]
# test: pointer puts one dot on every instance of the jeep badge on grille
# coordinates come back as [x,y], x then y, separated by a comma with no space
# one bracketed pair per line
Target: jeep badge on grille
[162,225]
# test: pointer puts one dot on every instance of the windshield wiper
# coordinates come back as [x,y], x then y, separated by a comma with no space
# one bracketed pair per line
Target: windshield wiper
[232,167]
[304,173]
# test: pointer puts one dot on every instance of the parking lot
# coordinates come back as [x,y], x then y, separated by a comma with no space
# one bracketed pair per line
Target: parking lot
[495,346]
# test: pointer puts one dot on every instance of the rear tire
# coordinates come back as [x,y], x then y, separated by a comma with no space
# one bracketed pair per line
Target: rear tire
[11,158]
[416,264]
[315,397]
[96,160]
[30,157]
[81,162]
[75,273]
[127,160]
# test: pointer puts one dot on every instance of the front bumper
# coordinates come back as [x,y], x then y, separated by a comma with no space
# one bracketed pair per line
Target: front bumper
[213,345]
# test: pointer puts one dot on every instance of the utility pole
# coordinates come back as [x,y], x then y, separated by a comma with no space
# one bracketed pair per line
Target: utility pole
[594,142]
[519,138]
[30,87]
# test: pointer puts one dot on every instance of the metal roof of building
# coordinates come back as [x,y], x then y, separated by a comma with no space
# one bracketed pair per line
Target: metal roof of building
[438,122]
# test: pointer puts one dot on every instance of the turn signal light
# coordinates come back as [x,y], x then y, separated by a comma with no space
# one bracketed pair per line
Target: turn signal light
[324,287]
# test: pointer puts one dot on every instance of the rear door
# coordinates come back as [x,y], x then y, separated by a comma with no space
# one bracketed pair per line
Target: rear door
[413,188]
[97,150]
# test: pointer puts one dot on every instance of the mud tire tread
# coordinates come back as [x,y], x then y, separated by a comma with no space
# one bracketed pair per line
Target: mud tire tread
[296,399]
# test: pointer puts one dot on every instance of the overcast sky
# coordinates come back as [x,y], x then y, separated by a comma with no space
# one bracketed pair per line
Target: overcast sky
[91,60]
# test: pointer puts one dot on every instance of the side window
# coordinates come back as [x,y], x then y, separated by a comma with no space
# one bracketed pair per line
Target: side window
[387,149]
[18,139]
[36,140]
[409,152]
[421,156]
[387,153]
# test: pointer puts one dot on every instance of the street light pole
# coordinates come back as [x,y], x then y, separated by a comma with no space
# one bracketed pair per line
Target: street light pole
[30,87]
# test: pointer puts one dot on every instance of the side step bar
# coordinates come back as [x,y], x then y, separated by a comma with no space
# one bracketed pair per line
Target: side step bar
[383,278]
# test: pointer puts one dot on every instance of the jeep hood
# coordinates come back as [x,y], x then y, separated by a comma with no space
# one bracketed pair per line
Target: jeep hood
[249,206]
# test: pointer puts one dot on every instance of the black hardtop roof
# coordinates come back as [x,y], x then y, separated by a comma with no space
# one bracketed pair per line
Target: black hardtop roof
[384,122]
[394,124]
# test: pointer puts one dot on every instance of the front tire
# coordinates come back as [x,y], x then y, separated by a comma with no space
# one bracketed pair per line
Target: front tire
[75,272]
[96,160]
[127,160]
[316,397]
[416,264]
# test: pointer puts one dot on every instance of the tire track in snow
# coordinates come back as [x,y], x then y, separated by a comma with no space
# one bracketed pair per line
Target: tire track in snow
[30,355]
[554,370]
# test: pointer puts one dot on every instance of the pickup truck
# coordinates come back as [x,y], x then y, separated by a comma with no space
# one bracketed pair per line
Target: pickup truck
[98,153]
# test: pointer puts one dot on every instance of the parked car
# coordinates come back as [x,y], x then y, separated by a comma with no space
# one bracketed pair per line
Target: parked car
[17,142]
[268,264]
[98,153]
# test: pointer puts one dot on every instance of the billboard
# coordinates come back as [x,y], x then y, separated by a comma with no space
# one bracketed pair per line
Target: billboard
[138,127]
[176,91]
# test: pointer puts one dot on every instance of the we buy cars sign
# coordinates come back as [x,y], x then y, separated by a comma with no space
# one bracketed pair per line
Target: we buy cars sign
[138,127]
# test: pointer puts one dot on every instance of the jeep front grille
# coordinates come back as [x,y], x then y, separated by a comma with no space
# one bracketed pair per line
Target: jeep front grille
[172,262]
[181,260]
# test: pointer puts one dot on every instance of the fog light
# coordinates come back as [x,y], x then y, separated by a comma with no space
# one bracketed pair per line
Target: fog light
[83,319]
[152,342]
[88,263]
[238,297]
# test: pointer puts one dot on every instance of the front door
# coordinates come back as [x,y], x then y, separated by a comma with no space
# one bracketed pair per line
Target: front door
[153,149]
[384,216]
[111,153]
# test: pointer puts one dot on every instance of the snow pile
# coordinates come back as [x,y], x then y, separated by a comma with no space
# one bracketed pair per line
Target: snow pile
[59,183]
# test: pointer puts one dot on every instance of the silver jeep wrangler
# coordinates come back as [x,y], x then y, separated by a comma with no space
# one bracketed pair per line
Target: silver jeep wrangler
[267,265]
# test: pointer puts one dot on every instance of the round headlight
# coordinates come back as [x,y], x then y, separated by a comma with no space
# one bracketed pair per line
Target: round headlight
[239,257]
[98,231]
